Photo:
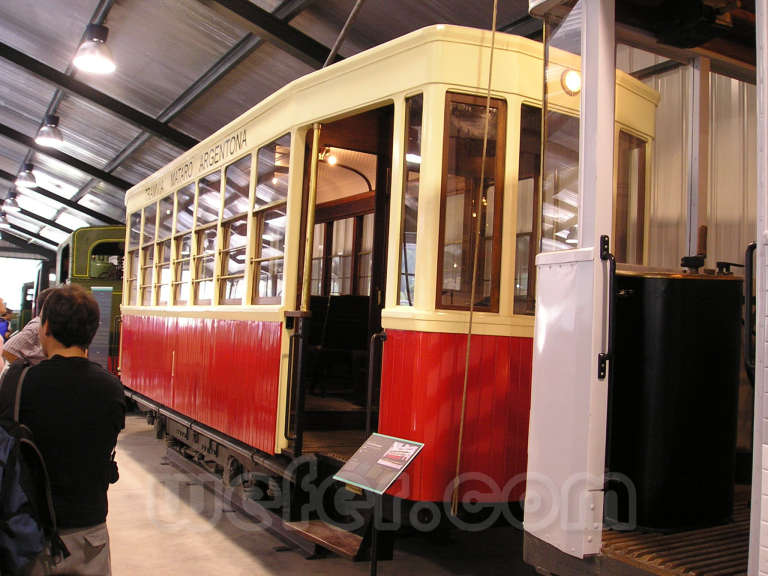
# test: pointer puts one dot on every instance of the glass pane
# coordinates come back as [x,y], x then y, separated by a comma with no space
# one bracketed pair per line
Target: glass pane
[527,209]
[203,292]
[135,234]
[560,184]
[146,296]
[466,198]
[364,274]
[184,246]
[273,235]
[234,262]
[236,187]
[341,274]
[272,181]
[164,252]
[149,257]
[205,267]
[208,200]
[318,252]
[206,241]
[185,206]
[560,187]
[271,279]
[163,289]
[364,260]
[232,290]
[165,218]
[412,175]
[150,215]
[181,295]
[630,200]
[133,278]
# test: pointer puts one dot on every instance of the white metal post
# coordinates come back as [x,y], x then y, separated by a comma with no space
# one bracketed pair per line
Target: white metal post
[758,544]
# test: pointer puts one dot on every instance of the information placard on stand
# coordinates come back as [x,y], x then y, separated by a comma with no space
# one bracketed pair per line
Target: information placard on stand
[378,462]
[374,467]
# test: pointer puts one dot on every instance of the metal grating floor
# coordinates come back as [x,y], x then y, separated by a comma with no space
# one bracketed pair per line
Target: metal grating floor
[716,551]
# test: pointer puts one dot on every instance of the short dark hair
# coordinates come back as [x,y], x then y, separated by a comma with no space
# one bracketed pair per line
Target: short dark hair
[72,314]
[41,298]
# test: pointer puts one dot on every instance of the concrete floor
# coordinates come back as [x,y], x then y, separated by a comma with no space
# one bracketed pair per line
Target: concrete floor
[163,522]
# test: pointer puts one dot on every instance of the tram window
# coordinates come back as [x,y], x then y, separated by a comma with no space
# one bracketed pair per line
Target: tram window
[164,230]
[234,241]
[630,200]
[238,176]
[465,198]
[412,175]
[134,236]
[342,250]
[269,218]
[364,259]
[318,260]
[234,231]
[181,271]
[185,208]
[208,198]
[106,261]
[270,265]
[560,186]
[204,264]
[148,254]
[527,209]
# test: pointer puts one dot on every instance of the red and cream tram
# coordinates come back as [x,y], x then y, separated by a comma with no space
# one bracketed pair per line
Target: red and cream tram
[215,254]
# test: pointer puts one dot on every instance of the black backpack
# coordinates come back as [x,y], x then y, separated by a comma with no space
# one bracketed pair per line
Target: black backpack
[27,518]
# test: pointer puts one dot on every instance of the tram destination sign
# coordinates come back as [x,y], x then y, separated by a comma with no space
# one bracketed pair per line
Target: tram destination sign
[378,462]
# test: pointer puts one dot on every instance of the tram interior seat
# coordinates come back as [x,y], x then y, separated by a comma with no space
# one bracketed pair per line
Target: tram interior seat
[338,344]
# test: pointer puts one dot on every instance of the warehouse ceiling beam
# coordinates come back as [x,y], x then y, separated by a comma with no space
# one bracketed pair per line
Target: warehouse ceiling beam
[112,105]
[66,202]
[29,142]
[46,221]
[277,32]
[17,228]
[24,246]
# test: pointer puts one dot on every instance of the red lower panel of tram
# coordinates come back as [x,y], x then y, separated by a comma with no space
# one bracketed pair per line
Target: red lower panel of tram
[222,373]
[421,396]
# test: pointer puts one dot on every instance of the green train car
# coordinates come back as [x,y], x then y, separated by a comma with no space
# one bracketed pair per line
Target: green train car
[93,257]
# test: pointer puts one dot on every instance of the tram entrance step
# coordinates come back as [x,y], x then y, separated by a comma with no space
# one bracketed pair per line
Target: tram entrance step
[333,538]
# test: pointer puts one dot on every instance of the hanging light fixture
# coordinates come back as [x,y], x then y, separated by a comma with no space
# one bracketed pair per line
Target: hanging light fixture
[10,204]
[49,134]
[94,55]
[328,156]
[26,179]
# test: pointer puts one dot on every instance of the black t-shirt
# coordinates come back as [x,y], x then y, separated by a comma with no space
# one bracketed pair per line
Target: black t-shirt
[75,410]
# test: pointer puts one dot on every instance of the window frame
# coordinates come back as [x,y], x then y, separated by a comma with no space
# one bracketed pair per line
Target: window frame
[502,106]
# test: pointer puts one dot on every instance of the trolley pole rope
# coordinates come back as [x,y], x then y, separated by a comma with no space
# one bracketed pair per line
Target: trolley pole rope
[477,215]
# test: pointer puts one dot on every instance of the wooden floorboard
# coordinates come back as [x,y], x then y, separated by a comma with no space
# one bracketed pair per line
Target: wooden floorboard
[338,444]
[715,551]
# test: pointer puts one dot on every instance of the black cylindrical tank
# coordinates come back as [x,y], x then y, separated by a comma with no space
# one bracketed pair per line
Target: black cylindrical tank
[673,399]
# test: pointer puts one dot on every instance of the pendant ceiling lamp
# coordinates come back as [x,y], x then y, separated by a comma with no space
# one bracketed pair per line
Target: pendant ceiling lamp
[94,55]
[26,178]
[49,134]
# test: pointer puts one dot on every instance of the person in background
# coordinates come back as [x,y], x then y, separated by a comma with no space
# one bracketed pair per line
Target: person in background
[5,321]
[26,343]
[75,410]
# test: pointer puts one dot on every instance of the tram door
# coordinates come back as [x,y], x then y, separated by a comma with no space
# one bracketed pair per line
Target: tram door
[566,452]
[348,279]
